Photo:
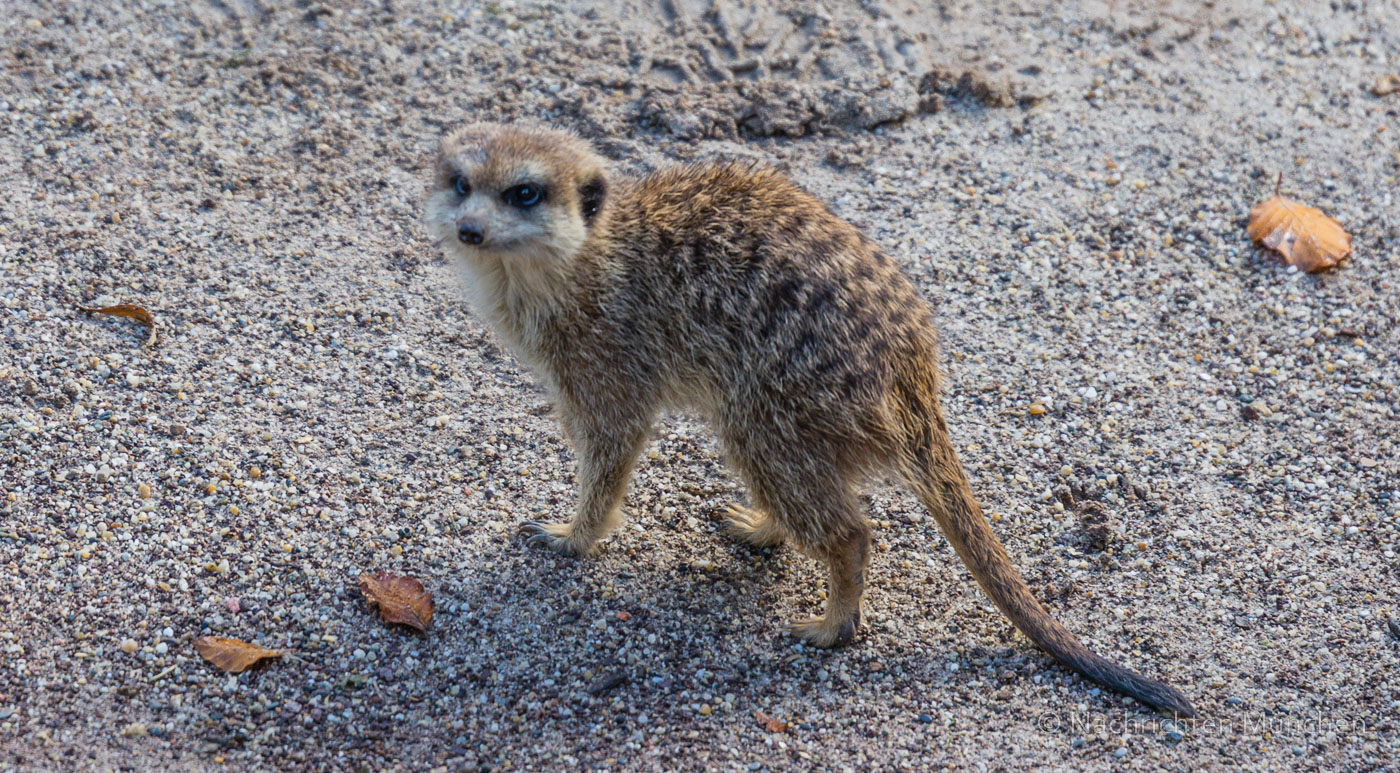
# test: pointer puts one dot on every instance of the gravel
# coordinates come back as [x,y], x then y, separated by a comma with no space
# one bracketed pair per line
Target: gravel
[1069,187]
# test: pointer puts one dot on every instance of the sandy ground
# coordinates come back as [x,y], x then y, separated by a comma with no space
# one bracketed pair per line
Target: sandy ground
[1210,496]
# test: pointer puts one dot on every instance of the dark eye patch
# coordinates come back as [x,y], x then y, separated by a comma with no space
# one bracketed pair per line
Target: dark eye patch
[460,185]
[590,196]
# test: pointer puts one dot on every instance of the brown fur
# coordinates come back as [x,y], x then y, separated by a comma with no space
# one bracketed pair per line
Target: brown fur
[728,290]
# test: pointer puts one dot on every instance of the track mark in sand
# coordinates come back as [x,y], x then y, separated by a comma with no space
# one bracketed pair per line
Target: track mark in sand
[788,68]
[250,17]
[727,40]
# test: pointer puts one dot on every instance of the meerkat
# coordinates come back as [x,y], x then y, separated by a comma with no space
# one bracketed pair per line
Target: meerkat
[727,290]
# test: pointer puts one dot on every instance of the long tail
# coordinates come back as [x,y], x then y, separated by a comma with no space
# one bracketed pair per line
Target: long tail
[939,482]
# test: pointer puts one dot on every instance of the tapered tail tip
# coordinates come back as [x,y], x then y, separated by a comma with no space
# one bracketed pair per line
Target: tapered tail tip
[1162,697]
[1171,701]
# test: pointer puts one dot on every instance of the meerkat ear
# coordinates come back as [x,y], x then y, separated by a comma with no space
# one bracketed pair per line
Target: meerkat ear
[590,196]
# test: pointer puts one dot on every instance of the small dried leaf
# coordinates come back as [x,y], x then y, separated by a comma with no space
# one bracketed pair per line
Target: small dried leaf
[130,311]
[400,599]
[232,655]
[1304,236]
[769,723]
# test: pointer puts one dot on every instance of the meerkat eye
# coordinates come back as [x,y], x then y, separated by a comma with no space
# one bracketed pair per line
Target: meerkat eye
[460,184]
[524,196]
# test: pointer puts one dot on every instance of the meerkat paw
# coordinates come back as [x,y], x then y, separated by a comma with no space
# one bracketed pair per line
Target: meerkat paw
[562,538]
[825,631]
[751,526]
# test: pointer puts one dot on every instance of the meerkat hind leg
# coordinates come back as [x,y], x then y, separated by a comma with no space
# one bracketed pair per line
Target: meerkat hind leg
[818,513]
[605,463]
[754,527]
[847,561]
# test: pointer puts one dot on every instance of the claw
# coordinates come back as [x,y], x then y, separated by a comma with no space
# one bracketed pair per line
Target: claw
[751,527]
[558,537]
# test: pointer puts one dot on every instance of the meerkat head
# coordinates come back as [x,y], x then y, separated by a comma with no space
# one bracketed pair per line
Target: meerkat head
[516,194]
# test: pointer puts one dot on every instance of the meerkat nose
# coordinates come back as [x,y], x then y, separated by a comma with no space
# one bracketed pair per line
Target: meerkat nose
[470,234]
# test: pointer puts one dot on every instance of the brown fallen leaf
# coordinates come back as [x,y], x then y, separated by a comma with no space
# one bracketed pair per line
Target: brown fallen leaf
[233,655]
[400,599]
[1304,236]
[769,723]
[131,311]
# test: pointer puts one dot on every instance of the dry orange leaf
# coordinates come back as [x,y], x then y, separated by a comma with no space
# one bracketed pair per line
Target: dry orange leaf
[400,599]
[769,723]
[130,311]
[1304,236]
[233,655]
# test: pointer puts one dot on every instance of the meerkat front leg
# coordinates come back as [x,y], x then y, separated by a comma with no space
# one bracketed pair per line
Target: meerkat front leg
[606,454]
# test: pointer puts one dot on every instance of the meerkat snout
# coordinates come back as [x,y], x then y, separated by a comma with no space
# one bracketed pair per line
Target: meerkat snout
[470,233]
